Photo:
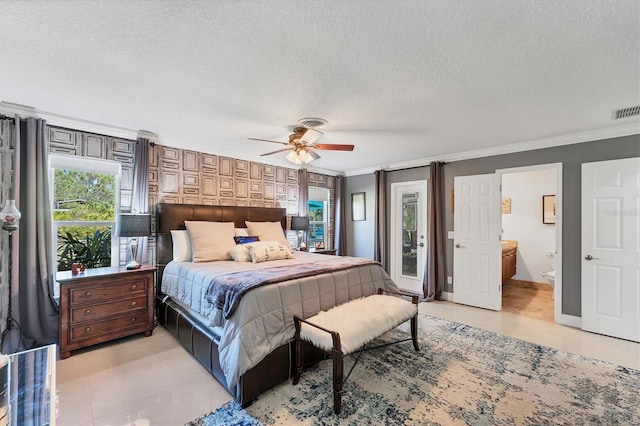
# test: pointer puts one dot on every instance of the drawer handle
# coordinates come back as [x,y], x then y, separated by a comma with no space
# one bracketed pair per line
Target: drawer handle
[133,319]
[87,330]
[87,294]
[133,286]
[133,304]
[87,312]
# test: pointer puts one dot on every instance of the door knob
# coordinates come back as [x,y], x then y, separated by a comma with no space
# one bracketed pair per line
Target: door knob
[421,244]
[589,257]
[458,245]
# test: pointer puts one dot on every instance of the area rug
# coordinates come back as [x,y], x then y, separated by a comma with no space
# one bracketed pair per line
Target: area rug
[462,375]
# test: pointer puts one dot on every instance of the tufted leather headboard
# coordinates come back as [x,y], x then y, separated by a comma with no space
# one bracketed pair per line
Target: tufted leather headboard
[172,216]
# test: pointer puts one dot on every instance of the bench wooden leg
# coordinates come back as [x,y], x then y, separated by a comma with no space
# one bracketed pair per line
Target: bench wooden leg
[299,362]
[299,354]
[337,381]
[414,333]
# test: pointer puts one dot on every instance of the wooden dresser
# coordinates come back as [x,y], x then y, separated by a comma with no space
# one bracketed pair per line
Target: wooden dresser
[103,304]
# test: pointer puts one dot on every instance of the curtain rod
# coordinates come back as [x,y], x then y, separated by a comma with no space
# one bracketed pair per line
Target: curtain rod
[414,167]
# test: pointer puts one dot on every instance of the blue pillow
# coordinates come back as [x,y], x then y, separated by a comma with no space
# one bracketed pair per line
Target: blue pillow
[245,240]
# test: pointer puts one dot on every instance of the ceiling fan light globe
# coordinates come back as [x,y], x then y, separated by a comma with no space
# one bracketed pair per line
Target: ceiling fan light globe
[294,158]
[304,156]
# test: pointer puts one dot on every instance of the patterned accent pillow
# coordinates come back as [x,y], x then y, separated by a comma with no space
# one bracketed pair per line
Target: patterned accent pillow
[245,240]
[264,251]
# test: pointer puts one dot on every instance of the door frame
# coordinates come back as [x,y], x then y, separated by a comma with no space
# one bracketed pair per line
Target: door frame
[394,238]
[557,289]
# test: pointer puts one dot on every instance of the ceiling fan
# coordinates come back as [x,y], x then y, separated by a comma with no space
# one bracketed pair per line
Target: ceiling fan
[302,142]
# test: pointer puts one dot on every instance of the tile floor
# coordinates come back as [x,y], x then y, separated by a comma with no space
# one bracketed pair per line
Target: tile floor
[152,381]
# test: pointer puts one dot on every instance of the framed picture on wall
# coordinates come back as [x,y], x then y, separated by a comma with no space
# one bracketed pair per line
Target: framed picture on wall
[549,209]
[358,206]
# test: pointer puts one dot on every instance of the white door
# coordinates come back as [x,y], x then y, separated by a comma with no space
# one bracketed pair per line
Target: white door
[408,234]
[477,273]
[611,248]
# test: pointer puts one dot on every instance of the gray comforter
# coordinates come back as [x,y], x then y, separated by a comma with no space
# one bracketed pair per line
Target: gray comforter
[263,319]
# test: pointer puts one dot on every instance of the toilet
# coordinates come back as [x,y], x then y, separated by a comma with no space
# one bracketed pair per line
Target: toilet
[551,275]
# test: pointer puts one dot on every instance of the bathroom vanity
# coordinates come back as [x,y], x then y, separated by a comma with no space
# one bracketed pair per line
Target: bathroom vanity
[509,249]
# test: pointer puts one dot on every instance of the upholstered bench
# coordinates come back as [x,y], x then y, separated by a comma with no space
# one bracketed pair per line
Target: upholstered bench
[347,328]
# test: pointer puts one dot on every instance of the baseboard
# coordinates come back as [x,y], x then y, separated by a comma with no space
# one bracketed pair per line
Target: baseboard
[570,320]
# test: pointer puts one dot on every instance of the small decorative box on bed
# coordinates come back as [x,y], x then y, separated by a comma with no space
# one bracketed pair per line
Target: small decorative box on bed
[235,315]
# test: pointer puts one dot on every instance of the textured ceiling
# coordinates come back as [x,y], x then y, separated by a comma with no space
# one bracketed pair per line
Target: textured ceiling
[401,80]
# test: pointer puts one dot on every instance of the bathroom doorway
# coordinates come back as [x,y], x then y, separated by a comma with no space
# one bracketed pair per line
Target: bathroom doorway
[531,241]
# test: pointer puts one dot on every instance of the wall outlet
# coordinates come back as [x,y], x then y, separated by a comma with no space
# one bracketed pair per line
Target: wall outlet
[449,280]
[450,235]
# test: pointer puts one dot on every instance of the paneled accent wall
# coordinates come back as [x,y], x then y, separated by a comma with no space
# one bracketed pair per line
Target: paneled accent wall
[6,186]
[190,177]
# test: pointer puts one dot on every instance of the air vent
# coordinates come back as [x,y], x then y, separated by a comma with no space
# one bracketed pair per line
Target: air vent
[626,112]
[312,122]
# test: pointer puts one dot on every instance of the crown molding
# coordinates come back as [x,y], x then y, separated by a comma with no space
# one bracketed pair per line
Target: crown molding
[125,133]
[570,139]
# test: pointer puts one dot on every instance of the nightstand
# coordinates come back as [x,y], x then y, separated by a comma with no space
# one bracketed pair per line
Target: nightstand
[103,304]
[323,251]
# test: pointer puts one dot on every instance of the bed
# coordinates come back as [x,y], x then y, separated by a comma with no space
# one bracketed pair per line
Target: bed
[249,349]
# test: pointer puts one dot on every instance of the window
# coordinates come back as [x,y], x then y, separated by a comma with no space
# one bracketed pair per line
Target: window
[318,209]
[85,194]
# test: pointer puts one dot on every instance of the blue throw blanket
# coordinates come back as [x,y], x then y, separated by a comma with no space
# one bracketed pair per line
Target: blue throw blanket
[225,291]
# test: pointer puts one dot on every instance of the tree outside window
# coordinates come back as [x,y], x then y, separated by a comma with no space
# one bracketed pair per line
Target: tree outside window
[318,216]
[85,196]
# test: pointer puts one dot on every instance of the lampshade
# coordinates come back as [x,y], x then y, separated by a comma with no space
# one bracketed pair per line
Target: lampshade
[299,223]
[133,225]
[10,216]
[300,156]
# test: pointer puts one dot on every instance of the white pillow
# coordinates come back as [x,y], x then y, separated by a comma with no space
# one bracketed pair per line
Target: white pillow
[241,232]
[264,251]
[210,240]
[240,253]
[268,231]
[181,246]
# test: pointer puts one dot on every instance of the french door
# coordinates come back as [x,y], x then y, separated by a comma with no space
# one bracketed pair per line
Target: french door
[408,234]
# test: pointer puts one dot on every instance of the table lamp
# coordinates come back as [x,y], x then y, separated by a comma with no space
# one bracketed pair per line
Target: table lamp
[132,225]
[300,224]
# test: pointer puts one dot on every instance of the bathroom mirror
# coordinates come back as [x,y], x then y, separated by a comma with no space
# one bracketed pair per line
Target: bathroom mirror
[549,209]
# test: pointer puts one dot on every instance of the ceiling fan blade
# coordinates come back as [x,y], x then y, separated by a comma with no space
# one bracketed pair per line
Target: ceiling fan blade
[267,140]
[310,136]
[275,152]
[332,146]
[313,154]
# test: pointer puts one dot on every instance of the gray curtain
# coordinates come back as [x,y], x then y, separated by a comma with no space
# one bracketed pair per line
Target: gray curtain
[303,197]
[380,249]
[433,282]
[37,311]
[140,196]
[340,236]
